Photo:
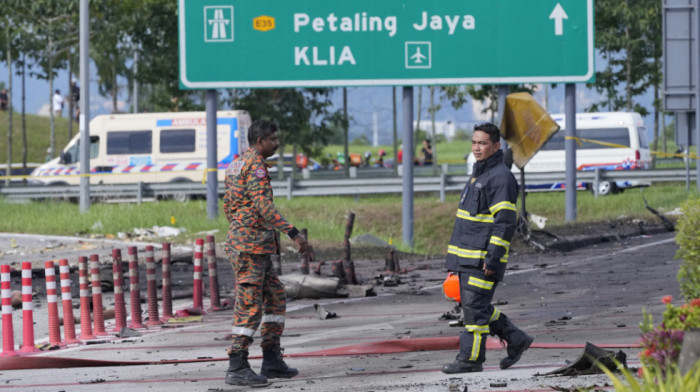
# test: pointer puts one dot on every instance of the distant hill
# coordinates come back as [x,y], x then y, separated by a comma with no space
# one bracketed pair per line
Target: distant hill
[38,136]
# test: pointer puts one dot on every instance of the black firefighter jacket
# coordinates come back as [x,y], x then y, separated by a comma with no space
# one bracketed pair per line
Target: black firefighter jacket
[486,219]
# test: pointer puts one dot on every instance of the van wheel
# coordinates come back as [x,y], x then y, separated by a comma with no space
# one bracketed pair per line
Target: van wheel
[605,188]
[180,196]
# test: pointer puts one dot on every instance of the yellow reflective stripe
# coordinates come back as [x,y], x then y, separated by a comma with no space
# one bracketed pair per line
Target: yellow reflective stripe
[504,205]
[467,253]
[477,328]
[476,346]
[504,258]
[499,241]
[476,218]
[495,315]
[483,284]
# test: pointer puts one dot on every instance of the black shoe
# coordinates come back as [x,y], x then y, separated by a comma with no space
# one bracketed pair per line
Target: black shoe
[273,366]
[518,343]
[240,373]
[459,366]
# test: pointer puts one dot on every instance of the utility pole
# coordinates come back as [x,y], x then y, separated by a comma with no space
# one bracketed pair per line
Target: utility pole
[84,148]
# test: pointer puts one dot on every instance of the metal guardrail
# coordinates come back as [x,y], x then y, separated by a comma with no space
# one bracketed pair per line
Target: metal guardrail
[323,187]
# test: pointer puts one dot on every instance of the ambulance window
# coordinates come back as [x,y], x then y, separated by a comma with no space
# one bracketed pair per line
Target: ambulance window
[592,139]
[641,133]
[129,142]
[177,140]
[94,147]
[605,138]
[71,155]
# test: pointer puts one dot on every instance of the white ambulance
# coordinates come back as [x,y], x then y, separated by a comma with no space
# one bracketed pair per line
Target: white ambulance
[150,148]
[606,140]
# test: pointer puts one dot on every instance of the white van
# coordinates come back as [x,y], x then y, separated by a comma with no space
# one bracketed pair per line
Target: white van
[609,141]
[150,147]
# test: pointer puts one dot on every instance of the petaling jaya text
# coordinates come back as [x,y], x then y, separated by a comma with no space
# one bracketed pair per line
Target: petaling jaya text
[363,22]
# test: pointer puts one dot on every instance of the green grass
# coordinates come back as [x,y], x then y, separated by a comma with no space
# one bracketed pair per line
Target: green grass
[38,136]
[325,217]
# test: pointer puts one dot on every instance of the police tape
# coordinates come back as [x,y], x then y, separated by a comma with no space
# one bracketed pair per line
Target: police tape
[44,177]
[208,170]
[580,141]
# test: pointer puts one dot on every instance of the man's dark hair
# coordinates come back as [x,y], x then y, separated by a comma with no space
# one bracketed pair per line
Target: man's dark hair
[492,130]
[260,129]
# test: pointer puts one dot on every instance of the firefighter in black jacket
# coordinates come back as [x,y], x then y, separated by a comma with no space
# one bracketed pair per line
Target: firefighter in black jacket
[478,252]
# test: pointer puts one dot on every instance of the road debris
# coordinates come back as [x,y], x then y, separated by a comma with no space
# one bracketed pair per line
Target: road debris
[322,313]
[309,286]
[95,381]
[128,333]
[590,361]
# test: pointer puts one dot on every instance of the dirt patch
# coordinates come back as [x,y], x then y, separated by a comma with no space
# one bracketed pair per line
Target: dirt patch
[577,235]
[555,239]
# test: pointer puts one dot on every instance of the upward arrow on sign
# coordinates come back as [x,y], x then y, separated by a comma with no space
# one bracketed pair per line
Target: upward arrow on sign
[558,15]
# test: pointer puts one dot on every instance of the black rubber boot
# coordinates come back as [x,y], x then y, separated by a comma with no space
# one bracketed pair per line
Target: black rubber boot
[240,373]
[273,366]
[518,341]
[462,366]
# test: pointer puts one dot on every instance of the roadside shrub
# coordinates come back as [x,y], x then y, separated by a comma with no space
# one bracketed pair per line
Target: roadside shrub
[688,239]
[662,344]
[649,381]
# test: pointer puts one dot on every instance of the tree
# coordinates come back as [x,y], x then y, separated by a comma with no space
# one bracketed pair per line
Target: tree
[303,115]
[153,30]
[432,110]
[457,95]
[110,46]
[51,30]
[9,38]
[628,37]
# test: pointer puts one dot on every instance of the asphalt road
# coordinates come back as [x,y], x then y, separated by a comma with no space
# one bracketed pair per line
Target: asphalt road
[396,341]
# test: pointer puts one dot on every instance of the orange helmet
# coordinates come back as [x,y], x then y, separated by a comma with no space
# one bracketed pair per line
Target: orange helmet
[450,287]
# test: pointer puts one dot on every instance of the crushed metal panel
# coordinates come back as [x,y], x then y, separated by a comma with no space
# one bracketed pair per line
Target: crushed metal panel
[526,126]
[590,360]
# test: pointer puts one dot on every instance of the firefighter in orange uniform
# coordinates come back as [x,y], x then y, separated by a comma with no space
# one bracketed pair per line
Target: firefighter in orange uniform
[260,296]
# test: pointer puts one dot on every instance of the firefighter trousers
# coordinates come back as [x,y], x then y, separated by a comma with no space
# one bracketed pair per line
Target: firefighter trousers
[476,292]
[260,298]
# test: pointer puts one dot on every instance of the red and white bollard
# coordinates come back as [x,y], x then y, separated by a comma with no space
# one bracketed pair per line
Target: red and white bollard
[51,299]
[67,298]
[97,311]
[119,303]
[151,288]
[8,334]
[197,281]
[85,322]
[167,288]
[134,289]
[213,276]
[27,309]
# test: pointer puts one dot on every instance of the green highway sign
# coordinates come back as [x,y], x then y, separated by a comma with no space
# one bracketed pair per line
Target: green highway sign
[314,43]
